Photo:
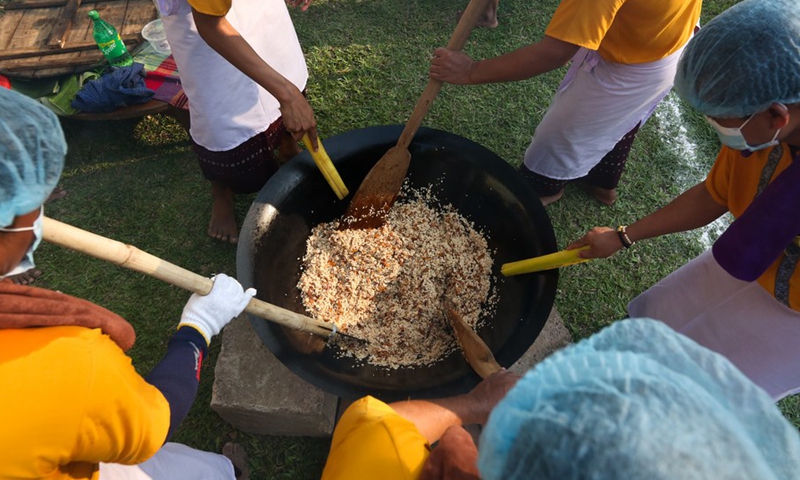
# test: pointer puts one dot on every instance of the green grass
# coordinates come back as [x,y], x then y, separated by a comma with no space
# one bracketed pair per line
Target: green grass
[137,181]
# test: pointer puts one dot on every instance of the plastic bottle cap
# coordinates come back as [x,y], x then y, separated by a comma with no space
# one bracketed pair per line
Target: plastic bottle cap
[94,15]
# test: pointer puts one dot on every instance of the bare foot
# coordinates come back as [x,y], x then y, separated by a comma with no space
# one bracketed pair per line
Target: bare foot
[25,278]
[489,17]
[238,457]
[603,195]
[56,194]
[552,198]
[222,225]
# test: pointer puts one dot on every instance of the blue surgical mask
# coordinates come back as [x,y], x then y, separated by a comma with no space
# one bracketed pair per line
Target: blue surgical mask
[27,261]
[733,138]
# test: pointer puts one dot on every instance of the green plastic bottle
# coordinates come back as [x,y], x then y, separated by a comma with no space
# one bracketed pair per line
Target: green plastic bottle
[109,42]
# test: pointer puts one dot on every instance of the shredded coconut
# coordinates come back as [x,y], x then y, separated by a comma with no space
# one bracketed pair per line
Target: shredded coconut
[388,285]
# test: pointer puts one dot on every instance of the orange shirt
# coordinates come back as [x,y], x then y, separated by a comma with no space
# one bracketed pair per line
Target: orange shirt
[217,8]
[626,31]
[69,399]
[734,182]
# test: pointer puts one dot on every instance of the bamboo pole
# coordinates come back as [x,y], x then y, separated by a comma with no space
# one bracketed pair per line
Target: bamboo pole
[132,258]
[545,262]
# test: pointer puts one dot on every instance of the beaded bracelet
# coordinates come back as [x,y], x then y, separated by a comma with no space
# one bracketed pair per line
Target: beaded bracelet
[622,232]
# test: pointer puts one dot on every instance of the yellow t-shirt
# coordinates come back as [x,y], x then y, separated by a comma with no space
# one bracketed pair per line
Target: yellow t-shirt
[218,8]
[734,181]
[69,399]
[626,31]
[372,441]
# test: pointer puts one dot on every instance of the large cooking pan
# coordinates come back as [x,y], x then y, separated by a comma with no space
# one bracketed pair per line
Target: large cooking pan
[482,187]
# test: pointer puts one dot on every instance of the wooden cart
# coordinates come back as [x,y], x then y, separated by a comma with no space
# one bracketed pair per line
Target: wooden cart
[50,38]
[47,38]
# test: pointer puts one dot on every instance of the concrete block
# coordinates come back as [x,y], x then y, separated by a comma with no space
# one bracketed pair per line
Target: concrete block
[256,393]
[554,336]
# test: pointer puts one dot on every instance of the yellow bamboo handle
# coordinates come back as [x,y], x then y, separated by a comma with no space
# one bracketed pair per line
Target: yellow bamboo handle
[132,258]
[325,166]
[544,262]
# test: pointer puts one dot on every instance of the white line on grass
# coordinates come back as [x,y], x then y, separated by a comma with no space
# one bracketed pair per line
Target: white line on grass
[693,169]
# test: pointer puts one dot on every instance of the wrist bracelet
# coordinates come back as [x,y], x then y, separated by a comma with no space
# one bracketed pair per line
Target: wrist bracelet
[622,232]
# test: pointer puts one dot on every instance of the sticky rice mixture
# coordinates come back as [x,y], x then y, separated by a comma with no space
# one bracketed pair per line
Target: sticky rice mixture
[389,285]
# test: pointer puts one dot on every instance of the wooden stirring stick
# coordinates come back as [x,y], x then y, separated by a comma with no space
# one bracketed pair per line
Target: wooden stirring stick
[478,354]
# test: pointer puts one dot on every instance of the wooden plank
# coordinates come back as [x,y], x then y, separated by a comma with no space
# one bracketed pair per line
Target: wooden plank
[58,37]
[82,27]
[47,63]
[139,14]
[25,34]
[38,72]
[32,30]
[130,41]
[8,26]
[28,4]
[81,33]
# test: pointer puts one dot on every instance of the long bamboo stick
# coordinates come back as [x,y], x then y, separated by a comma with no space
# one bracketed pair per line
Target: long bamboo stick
[130,257]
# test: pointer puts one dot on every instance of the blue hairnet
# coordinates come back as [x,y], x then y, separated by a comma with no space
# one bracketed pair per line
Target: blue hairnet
[32,149]
[743,60]
[637,401]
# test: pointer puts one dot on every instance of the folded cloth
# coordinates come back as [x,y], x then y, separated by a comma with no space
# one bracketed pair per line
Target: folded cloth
[23,307]
[122,87]
[754,240]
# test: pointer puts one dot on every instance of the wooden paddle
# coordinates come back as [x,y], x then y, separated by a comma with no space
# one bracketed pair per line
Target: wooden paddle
[382,184]
[478,354]
[132,258]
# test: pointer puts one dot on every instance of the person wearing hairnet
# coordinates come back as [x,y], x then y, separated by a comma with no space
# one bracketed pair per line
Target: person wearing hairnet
[741,298]
[623,53]
[636,401]
[73,406]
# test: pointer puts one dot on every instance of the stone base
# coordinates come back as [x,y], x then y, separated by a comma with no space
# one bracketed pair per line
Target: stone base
[256,393]
[553,336]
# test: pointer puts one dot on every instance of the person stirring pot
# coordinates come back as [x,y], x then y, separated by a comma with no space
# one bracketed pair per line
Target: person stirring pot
[742,298]
[73,406]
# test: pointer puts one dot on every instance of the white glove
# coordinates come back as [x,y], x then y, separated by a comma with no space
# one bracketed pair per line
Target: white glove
[209,313]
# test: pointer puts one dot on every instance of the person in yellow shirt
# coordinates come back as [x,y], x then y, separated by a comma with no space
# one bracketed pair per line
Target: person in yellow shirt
[636,400]
[623,53]
[742,297]
[393,441]
[72,406]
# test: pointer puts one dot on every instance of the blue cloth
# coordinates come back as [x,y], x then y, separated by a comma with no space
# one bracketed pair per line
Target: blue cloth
[32,150]
[743,60]
[638,401]
[122,87]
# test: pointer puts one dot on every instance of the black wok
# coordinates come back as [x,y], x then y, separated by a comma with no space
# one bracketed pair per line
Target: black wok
[482,187]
